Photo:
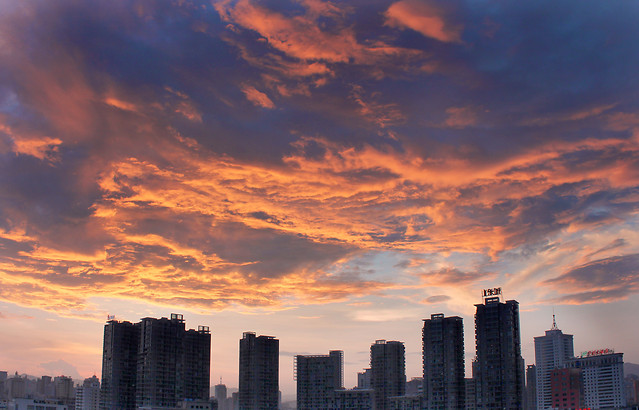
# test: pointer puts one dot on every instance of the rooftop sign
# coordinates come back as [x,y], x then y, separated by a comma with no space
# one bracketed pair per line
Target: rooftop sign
[487,293]
[600,352]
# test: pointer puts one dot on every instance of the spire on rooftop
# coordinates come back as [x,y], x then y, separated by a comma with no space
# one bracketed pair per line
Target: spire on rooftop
[554,323]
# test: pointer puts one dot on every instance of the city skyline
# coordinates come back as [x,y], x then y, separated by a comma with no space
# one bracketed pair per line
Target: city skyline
[286,358]
[326,172]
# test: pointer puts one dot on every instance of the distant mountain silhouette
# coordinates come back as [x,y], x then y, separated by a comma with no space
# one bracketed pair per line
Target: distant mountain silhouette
[630,368]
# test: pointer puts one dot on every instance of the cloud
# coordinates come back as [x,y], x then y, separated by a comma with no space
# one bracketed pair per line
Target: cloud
[257,97]
[460,117]
[423,17]
[129,166]
[601,280]
[12,316]
[451,276]
[61,368]
[309,44]
[436,299]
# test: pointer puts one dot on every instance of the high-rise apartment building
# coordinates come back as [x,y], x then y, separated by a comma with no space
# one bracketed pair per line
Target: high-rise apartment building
[196,364]
[388,371]
[259,372]
[318,376]
[64,390]
[602,378]
[500,367]
[119,365]
[443,359]
[551,352]
[154,363]
[87,396]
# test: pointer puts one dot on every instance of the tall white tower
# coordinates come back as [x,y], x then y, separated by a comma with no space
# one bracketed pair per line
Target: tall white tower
[551,352]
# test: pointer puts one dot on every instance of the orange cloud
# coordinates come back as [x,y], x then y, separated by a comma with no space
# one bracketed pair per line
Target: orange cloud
[302,39]
[257,97]
[423,17]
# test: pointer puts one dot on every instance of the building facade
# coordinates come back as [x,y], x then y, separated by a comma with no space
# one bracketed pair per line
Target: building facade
[601,377]
[388,371]
[318,376]
[551,352]
[566,389]
[259,372]
[530,394]
[355,399]
[364,379]
[443,360]
[500,367]
[87,396]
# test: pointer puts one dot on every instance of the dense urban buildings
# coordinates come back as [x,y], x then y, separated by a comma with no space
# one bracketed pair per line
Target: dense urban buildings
[154,363]
[551,352]
[388,371]
[500,367]
[318,376]
[443,360]
[602,378]
[259,372]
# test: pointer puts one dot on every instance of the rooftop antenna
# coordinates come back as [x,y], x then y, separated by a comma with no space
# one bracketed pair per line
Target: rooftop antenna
[554,322]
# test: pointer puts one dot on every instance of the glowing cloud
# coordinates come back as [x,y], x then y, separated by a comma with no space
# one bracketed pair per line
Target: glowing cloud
[423,17]
[257,97]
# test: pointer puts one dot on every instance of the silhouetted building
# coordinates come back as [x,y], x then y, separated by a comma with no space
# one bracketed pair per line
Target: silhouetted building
[3,384]
[87,396]
[355,399]
[119,365]
[415,386]
[471,394]
[259,372]
[364,379]
[16,387]
[407,402]
[530,394]
[171,363]
[318,376]
[443,359]
[551,352]
[601,377]
[195,365]
[388,371]
[500,378]
[45,388]
[566,389]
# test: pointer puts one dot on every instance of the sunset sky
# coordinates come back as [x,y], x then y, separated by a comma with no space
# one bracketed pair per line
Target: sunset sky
[329,173]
